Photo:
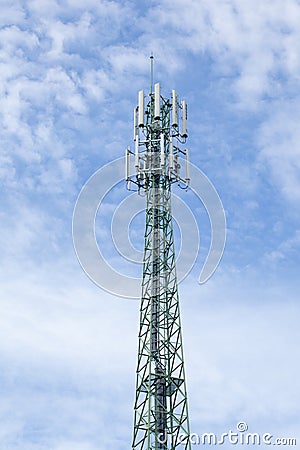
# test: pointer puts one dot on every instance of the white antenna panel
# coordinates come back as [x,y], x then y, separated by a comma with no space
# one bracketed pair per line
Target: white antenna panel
[127,164]
[187,165]
[141,109]
[137,153]
[162,149]
[174,109]
[157,101]
[184,132]
[171,155]
[135,119]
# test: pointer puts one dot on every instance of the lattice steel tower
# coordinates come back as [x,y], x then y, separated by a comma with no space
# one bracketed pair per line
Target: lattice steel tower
[161,411]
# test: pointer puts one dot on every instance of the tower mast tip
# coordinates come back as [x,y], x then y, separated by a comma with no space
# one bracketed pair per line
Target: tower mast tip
[151,72]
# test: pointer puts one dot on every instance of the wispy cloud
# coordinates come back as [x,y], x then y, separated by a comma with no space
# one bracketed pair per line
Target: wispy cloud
[279,141]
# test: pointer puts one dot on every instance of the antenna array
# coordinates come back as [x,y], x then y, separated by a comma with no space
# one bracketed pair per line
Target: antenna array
[159,132]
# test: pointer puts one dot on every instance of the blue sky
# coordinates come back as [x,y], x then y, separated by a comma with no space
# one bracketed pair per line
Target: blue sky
[69,76]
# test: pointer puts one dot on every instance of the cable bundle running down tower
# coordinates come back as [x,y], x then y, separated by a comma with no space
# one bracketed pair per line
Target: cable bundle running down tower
[160,412]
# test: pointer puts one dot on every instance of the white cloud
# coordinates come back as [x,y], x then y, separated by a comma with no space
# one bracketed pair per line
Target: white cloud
[280,151]
[46,75]
[286,251]
[251,41]
[61,366]
[238,365]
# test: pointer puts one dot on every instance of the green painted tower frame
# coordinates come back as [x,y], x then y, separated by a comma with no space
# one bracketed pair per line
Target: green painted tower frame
[161,418]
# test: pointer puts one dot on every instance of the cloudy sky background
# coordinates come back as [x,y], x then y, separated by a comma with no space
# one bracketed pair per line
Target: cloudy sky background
[69,75]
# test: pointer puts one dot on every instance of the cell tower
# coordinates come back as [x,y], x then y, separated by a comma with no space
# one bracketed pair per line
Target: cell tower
[161,411]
